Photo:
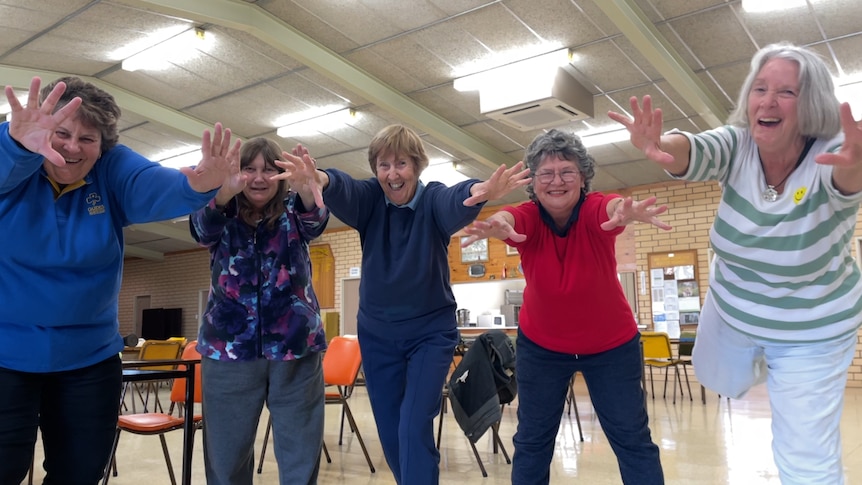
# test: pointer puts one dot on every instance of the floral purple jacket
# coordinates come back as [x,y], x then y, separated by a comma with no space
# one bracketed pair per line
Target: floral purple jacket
[261,303]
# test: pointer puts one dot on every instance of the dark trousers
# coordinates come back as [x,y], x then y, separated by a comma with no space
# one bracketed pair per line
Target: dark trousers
[404,378]
[77,412]
[613,379]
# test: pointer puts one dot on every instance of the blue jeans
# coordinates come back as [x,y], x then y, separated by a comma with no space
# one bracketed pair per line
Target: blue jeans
[404,378]
[613,379]
[77,412]
[233,397]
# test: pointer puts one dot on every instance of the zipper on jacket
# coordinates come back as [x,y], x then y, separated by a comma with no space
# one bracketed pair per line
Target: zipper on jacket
[257,258]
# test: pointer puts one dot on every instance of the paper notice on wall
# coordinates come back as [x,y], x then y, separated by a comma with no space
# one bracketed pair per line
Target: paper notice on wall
[672,328]
[660,326]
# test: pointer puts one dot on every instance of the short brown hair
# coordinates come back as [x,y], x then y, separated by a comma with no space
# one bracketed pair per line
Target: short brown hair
[98,108]
[400,141]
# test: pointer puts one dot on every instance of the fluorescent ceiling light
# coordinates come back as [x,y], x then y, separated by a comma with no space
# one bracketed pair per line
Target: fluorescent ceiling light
[762,6]
[530,68]
[443,172]
[605,138]
[185,159]
[179,48]
[316,124]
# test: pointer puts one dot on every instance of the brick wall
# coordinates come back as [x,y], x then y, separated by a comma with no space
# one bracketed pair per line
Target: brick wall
[175,282]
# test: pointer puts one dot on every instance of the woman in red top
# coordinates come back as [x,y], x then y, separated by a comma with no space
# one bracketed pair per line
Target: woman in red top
[575,316]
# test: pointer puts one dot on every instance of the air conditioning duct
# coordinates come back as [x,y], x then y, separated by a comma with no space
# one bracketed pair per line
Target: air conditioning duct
[533,107]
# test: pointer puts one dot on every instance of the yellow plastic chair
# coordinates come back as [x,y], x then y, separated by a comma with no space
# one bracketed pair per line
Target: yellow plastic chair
[658,353]
[156,350]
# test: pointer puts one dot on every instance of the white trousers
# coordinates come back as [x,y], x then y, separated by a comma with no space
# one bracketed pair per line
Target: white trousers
[806,383]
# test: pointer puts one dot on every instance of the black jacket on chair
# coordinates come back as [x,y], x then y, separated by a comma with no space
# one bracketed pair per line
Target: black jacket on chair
[482,381]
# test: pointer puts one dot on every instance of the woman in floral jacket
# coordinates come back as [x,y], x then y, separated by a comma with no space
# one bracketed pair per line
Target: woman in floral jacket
[261,336]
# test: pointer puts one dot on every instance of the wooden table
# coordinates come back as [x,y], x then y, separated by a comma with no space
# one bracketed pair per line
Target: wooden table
[136,371]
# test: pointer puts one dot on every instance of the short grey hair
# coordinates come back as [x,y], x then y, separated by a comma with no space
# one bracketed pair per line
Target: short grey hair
[568,146]
[817,106]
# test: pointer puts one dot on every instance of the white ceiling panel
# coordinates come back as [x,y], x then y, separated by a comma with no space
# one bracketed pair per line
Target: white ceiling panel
[395,62]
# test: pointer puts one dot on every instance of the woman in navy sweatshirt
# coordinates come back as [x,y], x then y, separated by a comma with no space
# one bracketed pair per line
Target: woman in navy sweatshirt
[406,320]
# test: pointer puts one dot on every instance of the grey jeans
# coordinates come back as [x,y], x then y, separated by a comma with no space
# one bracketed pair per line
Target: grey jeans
[233,397]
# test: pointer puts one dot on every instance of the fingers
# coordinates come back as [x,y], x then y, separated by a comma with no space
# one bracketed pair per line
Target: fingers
[206,147]
[33,95]
[68,109]
[225,143]
[14,104]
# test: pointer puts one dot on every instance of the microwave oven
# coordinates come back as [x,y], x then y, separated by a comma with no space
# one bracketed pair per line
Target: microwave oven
[510,314]
[491,320]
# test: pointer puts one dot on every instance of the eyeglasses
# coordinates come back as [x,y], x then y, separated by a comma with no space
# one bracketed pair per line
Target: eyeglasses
[567,176]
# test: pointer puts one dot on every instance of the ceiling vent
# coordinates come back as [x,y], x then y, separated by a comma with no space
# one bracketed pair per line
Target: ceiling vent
[563,102]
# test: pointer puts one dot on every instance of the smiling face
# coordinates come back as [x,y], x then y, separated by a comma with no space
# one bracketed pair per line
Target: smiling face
[557,185]
[397,175]
[259,189]
[772,106]
[80,147]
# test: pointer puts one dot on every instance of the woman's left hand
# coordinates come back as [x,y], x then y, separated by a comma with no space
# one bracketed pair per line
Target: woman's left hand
[300,171]
[216,156]
[847,174]
[627,210]
[503,181]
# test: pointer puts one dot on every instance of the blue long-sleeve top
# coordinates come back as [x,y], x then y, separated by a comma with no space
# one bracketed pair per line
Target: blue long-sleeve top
[62,258]
[261,302]
[404,290]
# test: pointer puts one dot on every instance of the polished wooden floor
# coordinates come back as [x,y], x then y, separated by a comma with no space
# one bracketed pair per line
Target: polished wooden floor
[721,442]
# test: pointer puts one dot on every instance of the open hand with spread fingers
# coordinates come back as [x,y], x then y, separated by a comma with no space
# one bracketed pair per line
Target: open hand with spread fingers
[502,182]
[628,210]
[215,165]
[492,227]
[33,125]
[300,171]
[645,129]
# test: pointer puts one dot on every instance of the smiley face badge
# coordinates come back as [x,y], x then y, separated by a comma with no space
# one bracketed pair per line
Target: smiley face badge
[799,194]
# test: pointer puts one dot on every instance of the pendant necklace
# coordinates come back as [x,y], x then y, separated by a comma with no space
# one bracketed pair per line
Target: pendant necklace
[770,194]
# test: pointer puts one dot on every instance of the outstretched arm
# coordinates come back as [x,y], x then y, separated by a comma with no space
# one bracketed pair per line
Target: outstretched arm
[670,151]
[624,211]
[847,174]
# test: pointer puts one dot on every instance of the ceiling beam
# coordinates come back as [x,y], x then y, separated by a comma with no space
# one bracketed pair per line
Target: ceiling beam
[275,32]
[644,36]
[136,252]
[20,78]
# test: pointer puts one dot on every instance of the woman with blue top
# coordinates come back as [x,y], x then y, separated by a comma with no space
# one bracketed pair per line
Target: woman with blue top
[67,189]
[261,336]
[406,320]
[785,296]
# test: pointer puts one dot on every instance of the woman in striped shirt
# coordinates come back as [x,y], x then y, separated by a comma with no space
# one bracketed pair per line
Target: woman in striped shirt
[785,296]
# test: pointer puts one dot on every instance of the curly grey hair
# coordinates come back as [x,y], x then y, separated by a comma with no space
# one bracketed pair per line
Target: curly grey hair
[568,146]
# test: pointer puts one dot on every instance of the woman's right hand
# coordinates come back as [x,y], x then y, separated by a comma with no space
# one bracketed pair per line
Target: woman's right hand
[645,129]
[33,125]
[491,227]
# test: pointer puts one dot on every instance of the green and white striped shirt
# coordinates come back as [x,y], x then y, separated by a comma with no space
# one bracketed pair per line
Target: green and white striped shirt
[783,270]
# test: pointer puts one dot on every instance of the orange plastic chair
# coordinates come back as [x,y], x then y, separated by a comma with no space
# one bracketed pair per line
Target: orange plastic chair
[341,363]
[161,423]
